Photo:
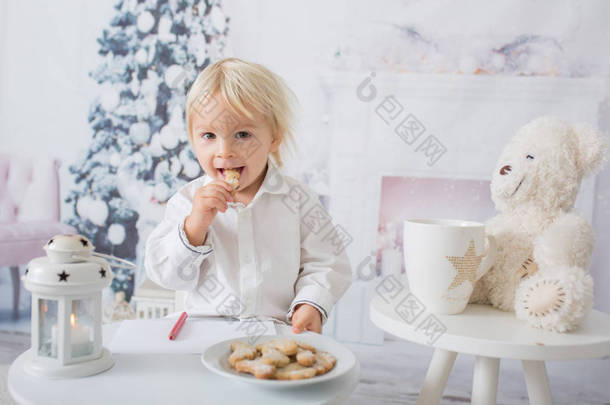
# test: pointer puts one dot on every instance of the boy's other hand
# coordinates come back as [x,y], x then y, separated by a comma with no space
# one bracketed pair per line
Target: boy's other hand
[306,317]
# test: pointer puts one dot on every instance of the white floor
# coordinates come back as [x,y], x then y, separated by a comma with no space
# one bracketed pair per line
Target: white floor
[393,374]
[9,324]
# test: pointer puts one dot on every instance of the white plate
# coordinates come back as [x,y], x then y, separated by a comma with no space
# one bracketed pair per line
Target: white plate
[216,358]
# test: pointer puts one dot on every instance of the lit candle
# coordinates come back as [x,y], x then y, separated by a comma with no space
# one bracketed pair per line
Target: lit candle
[79,338]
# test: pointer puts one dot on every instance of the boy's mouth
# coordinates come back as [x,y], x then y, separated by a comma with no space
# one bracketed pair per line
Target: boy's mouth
[221,170]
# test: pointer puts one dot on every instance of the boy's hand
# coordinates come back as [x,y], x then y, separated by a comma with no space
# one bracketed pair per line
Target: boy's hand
[207,201]
[306,317]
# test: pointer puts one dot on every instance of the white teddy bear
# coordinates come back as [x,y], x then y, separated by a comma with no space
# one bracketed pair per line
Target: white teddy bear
[544,248]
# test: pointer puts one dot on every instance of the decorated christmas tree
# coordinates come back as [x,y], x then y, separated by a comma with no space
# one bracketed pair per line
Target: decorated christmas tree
[139,153]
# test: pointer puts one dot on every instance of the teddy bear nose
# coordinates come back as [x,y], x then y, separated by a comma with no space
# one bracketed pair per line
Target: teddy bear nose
[505,170]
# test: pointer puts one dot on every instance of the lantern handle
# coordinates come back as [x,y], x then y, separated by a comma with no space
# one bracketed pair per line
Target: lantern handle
[124,264]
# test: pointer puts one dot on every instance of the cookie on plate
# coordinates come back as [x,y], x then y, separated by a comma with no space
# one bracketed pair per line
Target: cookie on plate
[286,346]
[305,357]
[241,351]
[294,371]
[324,362]
[306,346]
[271,355]
[256,367]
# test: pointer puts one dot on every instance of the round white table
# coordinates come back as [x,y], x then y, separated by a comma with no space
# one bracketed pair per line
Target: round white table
[166,379]
[489,334]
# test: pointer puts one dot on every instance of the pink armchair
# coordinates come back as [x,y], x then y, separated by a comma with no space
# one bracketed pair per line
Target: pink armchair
[29,212]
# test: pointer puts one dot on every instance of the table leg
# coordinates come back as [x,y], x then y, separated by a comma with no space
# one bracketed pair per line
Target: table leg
[436,377]
[485,380]
[537,382]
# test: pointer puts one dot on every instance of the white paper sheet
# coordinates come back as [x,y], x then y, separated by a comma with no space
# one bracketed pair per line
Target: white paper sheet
[151,335]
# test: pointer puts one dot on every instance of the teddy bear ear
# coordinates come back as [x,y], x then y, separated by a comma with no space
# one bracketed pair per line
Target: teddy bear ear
[592,149]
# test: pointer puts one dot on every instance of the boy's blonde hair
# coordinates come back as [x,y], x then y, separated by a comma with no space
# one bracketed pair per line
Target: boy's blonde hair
[246,87]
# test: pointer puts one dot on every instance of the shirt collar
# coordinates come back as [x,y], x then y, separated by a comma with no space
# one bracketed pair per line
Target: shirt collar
[275,182]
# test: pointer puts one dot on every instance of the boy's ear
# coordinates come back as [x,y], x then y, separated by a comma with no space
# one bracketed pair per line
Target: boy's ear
[591,149]
[275,143]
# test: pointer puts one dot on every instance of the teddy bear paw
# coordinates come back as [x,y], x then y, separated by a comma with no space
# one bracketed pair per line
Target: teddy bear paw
[542,303]
[557,302]
[544,297]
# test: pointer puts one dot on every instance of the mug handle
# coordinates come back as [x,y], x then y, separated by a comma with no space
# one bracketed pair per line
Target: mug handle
[489,256]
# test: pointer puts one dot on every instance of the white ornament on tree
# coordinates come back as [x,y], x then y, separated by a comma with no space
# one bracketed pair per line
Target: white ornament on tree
[129,5]
[165,25]
[115,159]
[139,133]
[169,137]
[138,158]
[196,45]
[176,115]
[145,22]
[162,170]
[149,89]
[92,208]
[190,169]
[218,19]
[116,234]
[141,56]
[177,122]
[155,148]
[161,192]
[175,77]
[110,98]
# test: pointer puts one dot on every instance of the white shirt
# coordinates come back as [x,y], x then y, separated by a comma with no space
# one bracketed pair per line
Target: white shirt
[259,260]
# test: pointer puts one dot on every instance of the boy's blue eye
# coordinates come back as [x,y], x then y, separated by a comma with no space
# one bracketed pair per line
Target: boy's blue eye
[208,135]
[242,135]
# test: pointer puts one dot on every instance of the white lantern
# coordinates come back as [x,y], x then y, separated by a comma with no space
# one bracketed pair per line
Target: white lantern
[66,288]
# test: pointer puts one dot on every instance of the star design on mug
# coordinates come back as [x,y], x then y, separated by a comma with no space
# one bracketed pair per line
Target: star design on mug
[102,272]
[466,266]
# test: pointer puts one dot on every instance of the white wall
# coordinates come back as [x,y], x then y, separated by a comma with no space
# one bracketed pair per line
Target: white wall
[48,48]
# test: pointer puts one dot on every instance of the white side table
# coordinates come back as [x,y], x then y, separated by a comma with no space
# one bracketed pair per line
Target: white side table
[490,334]
[167,379]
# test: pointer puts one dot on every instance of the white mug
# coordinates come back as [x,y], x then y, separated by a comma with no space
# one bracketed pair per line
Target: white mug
[443,260]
